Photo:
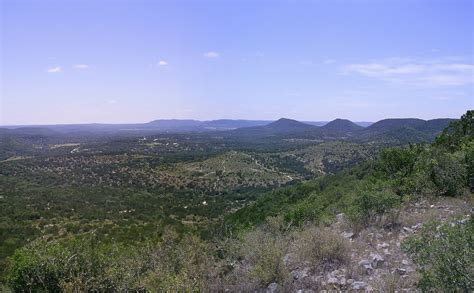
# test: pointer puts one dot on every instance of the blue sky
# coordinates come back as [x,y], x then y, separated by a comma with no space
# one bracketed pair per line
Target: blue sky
[135,61]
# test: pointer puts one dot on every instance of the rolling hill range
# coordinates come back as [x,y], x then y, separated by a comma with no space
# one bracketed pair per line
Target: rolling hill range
[390,130]
[387,130]
[404,130]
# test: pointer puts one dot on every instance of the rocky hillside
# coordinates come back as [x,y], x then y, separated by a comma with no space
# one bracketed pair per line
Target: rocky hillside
[373,258]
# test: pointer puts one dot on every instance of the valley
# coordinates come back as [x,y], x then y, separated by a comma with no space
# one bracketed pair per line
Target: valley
[134,187]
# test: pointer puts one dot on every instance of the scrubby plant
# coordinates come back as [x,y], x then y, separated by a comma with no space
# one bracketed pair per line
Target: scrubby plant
[399,162]
[458,132]
[369,206]
[320,247]
[82,263]
[444,254]
[261,252]
[181,265]
[448,174]
[86,264]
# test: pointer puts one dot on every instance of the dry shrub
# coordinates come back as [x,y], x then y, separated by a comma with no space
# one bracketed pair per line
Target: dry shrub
[182,265]
[321,248]
[261,252]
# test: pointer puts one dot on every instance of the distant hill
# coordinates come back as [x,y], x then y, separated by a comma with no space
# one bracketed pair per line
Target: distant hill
[392,124]
[342,125]
[404,130]
[288,125]
[223,124]
[435,126]
[280,127]
[393,130]
[172,124]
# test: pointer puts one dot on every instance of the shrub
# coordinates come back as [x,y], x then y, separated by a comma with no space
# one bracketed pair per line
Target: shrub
[83,264]
[457,132]
[181,265]
[399,162]
[262,251]
[445,256]
[369,206]
[448,174]
[321,248]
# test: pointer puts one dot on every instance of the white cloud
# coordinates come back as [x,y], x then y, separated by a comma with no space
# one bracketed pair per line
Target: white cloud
[112,101]
[81,66]
[162,63]
[56,69]
[415,72]
[211,54]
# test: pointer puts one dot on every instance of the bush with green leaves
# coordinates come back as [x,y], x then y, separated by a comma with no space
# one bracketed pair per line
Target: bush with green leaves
[81,263]
[448,174]
[399,162]
[369,206]
[179,264]
[444,254]
[458,132]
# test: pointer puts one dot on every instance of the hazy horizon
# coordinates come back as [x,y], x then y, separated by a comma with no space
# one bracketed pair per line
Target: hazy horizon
[79,62]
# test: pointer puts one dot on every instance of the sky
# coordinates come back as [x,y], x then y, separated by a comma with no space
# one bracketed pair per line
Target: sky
[135,61]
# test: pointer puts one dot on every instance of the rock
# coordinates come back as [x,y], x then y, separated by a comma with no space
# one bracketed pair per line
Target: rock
[383,245]
[407,230]
[287,258]
[333,281]
[359,285]
[417,226]
[366,265]
[377,260]
[272,287]
[401,271]
[340,217]
[342,281]
[349,281]
[463,221]
[348,235]
[405,262]
[300,274]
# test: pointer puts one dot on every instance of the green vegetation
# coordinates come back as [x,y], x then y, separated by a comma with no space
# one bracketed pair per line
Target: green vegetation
[445,255]
[181,216]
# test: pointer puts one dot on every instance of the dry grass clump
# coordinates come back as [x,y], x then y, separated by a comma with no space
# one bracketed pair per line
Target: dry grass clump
[320,248]
[261,253]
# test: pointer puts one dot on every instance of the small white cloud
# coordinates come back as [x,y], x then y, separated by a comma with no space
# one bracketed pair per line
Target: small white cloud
[56,69]
[112,101]
[416,72]
[162,63]
[329,61]
[211,54]
[81,66]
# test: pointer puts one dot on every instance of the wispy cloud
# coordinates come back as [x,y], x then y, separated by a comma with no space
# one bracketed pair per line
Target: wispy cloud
[81,66]
[415,72]
[56,69]
[211,54]
[112,101]
[162,63]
